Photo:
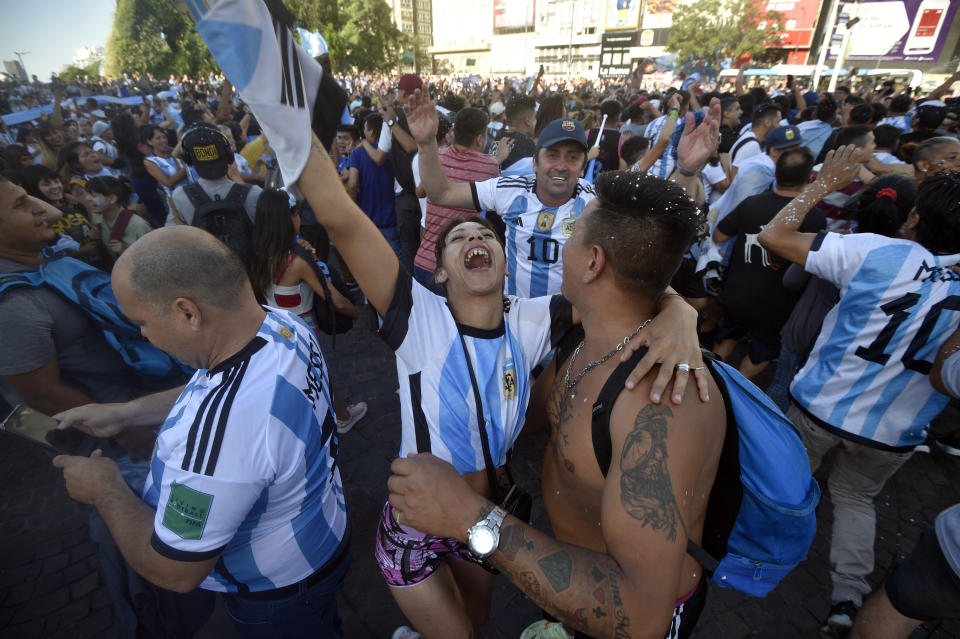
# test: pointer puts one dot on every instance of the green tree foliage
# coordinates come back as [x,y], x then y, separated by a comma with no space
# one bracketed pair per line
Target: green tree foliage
[360,33]
[713,30]
[74,72]
[151,36]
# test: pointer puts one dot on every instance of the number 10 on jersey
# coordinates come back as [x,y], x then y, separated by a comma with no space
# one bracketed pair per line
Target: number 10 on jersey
[543,249]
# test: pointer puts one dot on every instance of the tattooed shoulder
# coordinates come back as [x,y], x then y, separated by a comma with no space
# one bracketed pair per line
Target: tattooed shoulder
[646,490]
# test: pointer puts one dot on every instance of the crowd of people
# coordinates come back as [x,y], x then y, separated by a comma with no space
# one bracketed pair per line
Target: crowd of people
[519,240]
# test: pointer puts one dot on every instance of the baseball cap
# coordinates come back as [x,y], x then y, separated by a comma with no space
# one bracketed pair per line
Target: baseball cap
[497,108]
[100,127]
[409,82]
[207,151]
[560,130]
[783,136]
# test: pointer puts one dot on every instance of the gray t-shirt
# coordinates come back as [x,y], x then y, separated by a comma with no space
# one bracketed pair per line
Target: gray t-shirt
[948,534]
[38,325]
[214,188]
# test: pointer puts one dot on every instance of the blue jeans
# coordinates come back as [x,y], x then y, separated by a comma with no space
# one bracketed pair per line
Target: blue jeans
[788,363]
[425,277]
[392,235]
[310,613]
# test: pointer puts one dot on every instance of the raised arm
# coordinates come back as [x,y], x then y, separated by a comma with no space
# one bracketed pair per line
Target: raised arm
[782,234]
[944,88]
[371,260]
[423,122]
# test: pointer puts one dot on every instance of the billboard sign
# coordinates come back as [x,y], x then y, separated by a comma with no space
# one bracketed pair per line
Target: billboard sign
[659,14]
[513,15]
[905,30]
[799,21]
[623,14]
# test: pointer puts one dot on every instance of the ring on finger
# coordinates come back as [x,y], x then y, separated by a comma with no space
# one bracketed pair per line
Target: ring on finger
[698,368]
[683,368]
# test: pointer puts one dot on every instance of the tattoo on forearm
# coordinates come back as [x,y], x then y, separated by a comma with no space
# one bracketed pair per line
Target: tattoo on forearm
[646,491]
[512,540]
[556,568]
[619,615]
[529,584]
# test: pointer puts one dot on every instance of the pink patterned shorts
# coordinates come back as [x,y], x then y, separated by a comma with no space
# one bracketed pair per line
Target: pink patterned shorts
[407,556]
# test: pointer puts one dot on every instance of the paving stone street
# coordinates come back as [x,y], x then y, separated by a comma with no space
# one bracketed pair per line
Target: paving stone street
[50,584]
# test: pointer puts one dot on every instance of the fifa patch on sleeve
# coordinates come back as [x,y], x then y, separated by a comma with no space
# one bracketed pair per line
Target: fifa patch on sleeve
[186,511]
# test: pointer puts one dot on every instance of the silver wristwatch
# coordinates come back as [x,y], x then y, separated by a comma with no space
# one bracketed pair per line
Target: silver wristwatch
[484,536]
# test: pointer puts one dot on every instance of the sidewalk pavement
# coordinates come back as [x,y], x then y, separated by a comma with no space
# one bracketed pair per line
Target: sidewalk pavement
[50,585]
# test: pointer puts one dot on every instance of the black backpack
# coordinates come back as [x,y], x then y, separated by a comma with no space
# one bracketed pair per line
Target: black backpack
[225,219]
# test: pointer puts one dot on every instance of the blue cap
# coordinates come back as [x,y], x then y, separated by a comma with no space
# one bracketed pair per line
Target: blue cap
[783,136]
[560,130]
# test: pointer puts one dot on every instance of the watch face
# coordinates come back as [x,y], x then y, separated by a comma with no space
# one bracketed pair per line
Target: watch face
[481,541]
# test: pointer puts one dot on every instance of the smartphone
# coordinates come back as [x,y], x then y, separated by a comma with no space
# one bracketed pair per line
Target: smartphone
[926,27]
[34,426]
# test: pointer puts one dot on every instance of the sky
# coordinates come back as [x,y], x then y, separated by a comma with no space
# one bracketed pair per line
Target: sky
[52,31]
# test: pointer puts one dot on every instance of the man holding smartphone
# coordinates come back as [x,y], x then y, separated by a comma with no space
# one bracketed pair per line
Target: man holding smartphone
[245,464]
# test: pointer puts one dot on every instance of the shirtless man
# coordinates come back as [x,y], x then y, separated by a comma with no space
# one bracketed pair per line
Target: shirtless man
[618,565]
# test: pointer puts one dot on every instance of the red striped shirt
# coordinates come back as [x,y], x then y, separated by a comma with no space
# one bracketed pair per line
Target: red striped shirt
[460,166]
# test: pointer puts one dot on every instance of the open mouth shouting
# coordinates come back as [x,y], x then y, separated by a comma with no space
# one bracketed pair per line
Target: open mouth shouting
[476,258]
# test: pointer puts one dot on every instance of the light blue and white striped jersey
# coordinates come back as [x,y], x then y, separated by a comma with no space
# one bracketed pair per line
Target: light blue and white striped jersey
[437,402]
[867,377]
[245,465]
[535,233]
[902,122]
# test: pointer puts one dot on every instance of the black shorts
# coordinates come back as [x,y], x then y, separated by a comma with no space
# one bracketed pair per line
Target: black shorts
[924,586]
[763,346]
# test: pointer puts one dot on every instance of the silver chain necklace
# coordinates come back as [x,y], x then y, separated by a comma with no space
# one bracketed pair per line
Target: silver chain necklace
[570,386]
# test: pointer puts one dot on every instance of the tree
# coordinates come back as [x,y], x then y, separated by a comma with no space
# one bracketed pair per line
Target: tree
[715,31]
[74,72]
[151,36]
[360,33]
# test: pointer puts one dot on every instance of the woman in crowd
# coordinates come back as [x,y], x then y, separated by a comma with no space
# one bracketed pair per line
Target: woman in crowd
[161,165]
[78,159]
[42,183]
[16,157]
[282,279]
[119,227]
[127,135]
[551,109]
[50,140]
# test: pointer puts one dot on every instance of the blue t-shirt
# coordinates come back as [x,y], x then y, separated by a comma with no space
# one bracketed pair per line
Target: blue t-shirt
[375,197]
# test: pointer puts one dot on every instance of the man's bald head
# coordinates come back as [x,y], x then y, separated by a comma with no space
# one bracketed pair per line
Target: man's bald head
[183,261]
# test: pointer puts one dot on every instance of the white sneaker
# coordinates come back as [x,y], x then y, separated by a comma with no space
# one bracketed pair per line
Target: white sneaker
[356,412]
[405,632]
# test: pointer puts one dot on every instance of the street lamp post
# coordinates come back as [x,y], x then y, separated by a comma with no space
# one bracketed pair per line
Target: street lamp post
[841,54]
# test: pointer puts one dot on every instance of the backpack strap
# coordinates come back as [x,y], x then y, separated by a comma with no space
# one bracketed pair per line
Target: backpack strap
[602,446]
[196,194]
[739,145]
[238,194]
[120,225]
[600,423]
